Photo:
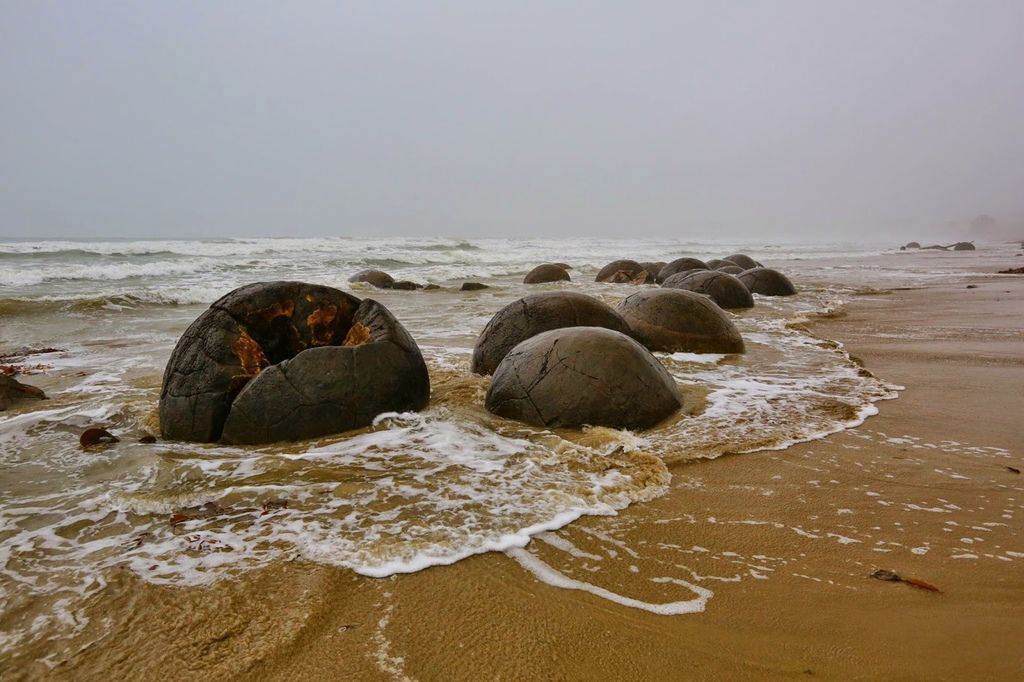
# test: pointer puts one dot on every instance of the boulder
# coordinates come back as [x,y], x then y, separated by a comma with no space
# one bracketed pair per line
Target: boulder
[716,263]
[963,246]
[675,320]
[285,361]
[624,272]
[724,289]
[538,313]
[473,286]
[913,245]
[564,266]
[377,278]
[730,269]
[745,262]
[406,285]
[13,392]
[767,282]
[653,267]
[680,265]
[548,272]
[583,375]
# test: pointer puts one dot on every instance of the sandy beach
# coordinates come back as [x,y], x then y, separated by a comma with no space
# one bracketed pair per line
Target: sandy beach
[770,554]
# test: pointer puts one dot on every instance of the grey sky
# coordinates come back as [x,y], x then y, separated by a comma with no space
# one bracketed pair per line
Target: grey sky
[769,119]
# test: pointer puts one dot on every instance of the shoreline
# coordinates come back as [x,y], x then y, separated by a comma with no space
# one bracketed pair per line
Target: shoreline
[786,540]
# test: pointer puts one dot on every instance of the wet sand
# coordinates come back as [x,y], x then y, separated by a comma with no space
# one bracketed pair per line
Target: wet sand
[786,540]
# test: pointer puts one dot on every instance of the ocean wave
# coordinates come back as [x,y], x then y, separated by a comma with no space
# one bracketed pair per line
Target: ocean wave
[107,271]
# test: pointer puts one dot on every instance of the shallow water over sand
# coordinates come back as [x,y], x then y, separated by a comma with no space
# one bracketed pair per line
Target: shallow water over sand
[412,491]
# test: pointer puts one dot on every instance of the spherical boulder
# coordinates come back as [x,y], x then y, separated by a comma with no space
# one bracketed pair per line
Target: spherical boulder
[766,282]
[376,278]
[406,285]
[278,361]
[679,321]
[913,245]
[963,246]
[716,263]
[724,289]
[548,272]
[583,375]
[672,280]
[742,260]
[625,272]
[730,269]
[680,265]
[538,313]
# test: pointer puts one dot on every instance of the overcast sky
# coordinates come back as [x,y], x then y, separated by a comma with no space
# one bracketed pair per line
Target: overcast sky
[665,119]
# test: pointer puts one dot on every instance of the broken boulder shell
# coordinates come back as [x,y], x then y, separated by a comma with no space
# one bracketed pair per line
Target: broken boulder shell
[625,272]
[583,376]
[724,289]
[13,392]
[679,321]
[767,282]
[278,361]
[538,313]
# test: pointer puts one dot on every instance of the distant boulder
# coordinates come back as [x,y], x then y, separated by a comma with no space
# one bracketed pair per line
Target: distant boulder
[548,272]
[653,267]
[767,282]
[583,376]
[680,265]
[716,263]
[377,278]
[535,314]
[730,269]
[724,289]
[963,246]
[743,261]
[625,272]
[406,285]
[674,320]
[473,286]
[912,245]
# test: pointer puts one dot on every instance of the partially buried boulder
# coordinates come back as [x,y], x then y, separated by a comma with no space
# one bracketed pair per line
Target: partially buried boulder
[742,260]
[674,320]
[473,286]
[653,267]
[730,269]
[548,272]
[724,289]
[406,285]
[538,313]
[13,392]
[716,263]
[963,246]
[767,282]
[680,265]
[583,375]
[377,278]
[625,272]
[285,361]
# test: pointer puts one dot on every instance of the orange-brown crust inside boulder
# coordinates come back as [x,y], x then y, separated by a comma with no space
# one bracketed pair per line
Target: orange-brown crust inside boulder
[321,324]
[357,335]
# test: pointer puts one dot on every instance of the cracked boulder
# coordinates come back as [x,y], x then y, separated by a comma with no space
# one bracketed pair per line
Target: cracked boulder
[538,313]
[625,272]
[724,289]
[375,278]
[767,282]
[679,321]
[583,375]
[276,361]
[548,272]
[680,265]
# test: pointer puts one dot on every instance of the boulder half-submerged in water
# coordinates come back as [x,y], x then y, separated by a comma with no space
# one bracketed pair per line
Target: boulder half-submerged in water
[767,282]
[538,313]
[548,272]
[276,361]
[675,320]
[724,289]
[583,375]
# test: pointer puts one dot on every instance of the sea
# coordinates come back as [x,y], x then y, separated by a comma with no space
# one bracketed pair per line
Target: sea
[412,491]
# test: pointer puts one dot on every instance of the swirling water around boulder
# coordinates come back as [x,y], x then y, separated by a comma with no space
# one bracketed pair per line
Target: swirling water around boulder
[408,492]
